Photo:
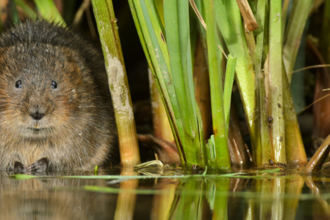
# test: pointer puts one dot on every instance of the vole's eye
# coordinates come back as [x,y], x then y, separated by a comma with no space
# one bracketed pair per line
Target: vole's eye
[54,85]
[18,84]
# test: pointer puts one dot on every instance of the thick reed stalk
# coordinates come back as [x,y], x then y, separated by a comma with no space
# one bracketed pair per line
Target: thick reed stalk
[276,82]
[215,71]
[114,63]
[262,151]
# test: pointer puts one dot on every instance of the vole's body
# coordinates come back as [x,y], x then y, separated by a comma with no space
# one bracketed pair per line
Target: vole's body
[55,104]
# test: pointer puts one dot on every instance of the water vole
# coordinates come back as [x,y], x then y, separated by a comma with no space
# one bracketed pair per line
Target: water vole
[55,105]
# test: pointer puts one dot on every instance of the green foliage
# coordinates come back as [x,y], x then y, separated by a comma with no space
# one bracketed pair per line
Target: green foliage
[48,11]
[169,51]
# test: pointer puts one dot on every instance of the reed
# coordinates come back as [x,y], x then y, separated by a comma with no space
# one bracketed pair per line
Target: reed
[121,98]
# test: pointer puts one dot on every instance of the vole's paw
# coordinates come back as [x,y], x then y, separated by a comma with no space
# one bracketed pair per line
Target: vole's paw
[19,167]
[39,166]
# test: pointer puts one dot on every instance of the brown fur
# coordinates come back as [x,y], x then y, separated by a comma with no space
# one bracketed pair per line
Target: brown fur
[78,129]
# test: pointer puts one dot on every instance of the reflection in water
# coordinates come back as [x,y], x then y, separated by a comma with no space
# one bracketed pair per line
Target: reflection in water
[259,197]
[40,199]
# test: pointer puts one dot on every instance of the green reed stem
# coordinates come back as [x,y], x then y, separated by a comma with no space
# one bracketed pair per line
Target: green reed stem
[121,98]
[262,151]
[276,82]
[215,71]
[176,16]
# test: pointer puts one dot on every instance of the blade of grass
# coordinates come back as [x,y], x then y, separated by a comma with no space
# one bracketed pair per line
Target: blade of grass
[177,18]
[121,99]
[161,72]
[48,10]
[148,7]
[215,71]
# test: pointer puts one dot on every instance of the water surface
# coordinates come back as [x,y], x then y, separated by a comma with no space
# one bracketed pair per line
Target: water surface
[166,194]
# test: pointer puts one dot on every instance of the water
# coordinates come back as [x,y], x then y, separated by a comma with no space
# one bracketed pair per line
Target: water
[268,195]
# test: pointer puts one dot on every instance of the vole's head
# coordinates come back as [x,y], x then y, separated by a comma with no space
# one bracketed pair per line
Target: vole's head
[40,87]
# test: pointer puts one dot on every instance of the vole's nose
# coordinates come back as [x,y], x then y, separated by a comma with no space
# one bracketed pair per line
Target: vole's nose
[37,115]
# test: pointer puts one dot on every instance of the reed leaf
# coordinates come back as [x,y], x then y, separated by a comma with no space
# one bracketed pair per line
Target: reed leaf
[217,104]
[48,11]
